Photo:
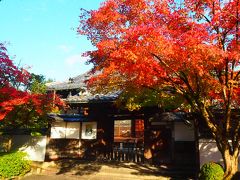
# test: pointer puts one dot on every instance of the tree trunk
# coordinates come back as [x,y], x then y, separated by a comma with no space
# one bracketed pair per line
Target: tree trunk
[231,164]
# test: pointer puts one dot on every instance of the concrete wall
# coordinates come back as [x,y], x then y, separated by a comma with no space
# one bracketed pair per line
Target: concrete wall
[35,147]
[209,152]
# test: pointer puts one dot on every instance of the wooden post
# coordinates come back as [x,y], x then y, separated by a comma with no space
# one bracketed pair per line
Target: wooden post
[9,144]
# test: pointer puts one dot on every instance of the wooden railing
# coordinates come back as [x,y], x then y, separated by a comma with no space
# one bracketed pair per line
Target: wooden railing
[129,152]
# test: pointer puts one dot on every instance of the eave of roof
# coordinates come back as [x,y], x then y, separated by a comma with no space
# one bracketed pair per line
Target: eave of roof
[90,98]
[67,117]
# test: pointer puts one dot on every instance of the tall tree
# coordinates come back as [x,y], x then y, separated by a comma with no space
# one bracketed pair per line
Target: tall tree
[10,75]
[190,47]
[36,84]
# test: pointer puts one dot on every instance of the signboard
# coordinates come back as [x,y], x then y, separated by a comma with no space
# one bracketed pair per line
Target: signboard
[73,130]
[89,130]
[58,130]
[69,130]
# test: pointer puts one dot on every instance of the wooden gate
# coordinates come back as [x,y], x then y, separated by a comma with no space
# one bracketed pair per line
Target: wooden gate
[126,152]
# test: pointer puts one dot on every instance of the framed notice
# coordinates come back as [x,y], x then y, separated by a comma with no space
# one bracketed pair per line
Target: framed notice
[73,130]
[58,130]
[89,130]
[68,130]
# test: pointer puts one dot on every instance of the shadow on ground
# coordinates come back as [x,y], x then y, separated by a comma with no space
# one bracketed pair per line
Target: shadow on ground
[80,168]
[77,167]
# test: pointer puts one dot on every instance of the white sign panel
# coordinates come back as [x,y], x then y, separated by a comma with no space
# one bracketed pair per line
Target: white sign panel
[73,130]
[58,130]
[89,130]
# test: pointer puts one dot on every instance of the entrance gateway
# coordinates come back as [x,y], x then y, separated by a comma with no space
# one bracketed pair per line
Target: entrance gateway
[135,138]
[147,134]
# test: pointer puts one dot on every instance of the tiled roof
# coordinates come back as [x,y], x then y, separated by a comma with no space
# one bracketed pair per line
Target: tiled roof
[170,116]
[88,97]
[79,82]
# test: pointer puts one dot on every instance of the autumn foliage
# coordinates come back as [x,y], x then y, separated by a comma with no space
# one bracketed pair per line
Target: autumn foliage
[189,47]
[12,94]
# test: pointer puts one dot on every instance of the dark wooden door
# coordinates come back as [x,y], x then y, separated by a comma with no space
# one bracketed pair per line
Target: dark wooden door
[161,145]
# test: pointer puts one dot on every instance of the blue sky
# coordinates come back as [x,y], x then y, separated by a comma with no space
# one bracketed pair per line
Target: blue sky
[42,34]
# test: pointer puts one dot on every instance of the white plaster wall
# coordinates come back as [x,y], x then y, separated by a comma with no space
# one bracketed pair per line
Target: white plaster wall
[182,132]
[35,147]
[209,152]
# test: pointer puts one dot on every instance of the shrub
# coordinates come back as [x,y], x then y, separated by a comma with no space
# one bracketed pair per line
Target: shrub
[211,171]
[35,133]
[13,164]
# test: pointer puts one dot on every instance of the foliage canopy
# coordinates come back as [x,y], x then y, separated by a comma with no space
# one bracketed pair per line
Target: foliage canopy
[191,47]
[20,107]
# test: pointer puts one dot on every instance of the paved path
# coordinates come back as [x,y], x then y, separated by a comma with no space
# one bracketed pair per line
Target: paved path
[72,169]
[98,176]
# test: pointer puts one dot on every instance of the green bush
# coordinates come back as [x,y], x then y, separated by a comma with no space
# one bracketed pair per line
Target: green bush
[211,171]
[35,133]
[13,164]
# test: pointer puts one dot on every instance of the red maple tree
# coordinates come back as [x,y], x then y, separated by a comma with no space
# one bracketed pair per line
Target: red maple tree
[12,81]
[191,47]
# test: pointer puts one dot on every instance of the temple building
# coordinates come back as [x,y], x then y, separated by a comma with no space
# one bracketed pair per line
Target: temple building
[95,128]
